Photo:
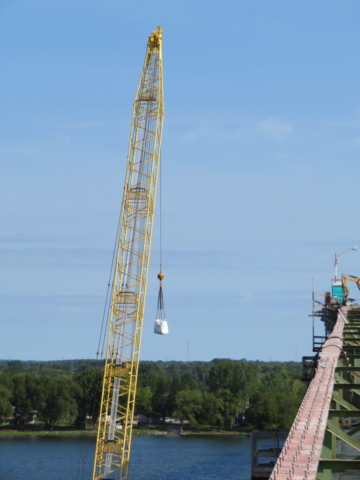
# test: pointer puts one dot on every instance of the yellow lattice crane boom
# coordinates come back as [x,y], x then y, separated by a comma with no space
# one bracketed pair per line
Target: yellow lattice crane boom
[127,306]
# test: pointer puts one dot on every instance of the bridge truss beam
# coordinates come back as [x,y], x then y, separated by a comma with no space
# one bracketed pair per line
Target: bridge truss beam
[321,440]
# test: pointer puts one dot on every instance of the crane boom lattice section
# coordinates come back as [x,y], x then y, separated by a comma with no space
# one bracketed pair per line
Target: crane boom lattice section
[131,270]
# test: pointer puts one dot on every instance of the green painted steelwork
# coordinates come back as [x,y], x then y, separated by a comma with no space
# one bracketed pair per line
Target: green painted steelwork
[348,369]
[353,431]
[343,436]
[345,404]
[338,465]
[344,414]
[340,379]
[346,386]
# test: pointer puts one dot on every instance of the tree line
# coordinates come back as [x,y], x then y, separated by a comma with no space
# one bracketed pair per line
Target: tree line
[217,393]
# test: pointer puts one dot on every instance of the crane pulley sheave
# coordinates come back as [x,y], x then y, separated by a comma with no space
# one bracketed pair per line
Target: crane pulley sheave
[127,306]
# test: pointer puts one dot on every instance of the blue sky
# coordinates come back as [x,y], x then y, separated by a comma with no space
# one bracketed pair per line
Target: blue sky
[260,170]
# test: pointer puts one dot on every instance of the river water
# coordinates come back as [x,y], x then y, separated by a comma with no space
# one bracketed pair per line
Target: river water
[168,457]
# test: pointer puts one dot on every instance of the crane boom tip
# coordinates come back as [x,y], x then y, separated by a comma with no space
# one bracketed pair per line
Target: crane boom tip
[155,39]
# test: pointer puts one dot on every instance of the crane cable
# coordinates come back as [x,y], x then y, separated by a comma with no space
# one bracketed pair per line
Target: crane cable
[101,342]
[103,331]
[160,191]
[160,305]
[161,326]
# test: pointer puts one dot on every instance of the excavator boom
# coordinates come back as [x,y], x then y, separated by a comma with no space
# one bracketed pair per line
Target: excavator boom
[351,278]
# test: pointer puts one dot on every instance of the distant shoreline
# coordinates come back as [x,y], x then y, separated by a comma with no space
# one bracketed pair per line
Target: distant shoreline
[92,433]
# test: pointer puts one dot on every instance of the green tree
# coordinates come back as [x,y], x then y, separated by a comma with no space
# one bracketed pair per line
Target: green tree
[88,396]
[57,400]
[163,396]
[14,367]
[211,411]
[24,396]
[144,398]
[187,382]
[6,408]
[188,406]
[230,407]
[273,408]
[237,377]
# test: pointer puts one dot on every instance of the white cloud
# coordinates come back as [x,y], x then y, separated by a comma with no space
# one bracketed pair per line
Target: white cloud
[78,125]
[50,257]
[282,156]
[222,127]
[247,296]
[274,128]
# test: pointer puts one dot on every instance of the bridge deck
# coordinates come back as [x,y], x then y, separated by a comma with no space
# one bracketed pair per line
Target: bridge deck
[300,455]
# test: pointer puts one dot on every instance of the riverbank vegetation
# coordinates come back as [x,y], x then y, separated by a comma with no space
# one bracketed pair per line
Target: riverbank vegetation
[216,396]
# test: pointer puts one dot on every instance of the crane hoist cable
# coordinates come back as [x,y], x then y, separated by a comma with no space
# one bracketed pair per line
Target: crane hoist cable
[130,272]
[161,325]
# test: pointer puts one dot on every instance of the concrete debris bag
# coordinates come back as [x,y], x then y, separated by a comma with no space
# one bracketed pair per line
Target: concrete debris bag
[161,327]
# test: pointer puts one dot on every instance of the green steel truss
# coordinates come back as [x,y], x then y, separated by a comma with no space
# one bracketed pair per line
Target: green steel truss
[341,451]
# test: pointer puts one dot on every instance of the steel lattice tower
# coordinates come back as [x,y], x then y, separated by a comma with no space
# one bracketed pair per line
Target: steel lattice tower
[131,270]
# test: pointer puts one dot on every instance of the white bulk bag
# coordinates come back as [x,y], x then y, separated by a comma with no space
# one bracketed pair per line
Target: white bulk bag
[161,327]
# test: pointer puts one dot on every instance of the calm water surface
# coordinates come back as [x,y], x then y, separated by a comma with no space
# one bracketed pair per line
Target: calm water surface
[153,458]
